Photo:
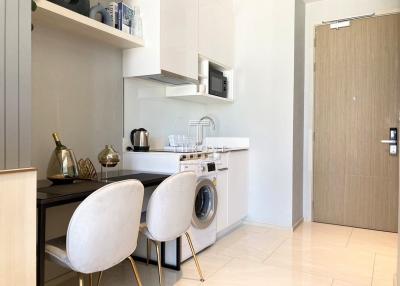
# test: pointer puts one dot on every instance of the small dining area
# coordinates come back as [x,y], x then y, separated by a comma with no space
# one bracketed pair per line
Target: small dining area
[104,228]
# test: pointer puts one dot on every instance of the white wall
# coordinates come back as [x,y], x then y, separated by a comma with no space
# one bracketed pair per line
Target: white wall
[263,108]
[298,112]
[77,91]
[316,13]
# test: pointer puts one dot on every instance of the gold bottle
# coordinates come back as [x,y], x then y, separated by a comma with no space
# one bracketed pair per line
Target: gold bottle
[62,168]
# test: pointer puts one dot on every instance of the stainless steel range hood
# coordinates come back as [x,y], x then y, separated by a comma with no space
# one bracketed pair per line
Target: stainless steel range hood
[171,78]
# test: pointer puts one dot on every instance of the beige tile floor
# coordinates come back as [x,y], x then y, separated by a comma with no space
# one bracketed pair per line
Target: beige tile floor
[314,254]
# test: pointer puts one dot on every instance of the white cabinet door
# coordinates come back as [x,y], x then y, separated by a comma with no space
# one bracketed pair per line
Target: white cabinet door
[238,186]
[170,30]
[179,37]
[222,191]
[216,31]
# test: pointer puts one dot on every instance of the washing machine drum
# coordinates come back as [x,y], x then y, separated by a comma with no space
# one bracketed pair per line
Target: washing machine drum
[205,206]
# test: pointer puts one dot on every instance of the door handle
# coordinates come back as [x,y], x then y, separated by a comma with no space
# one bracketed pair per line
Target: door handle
[392,142]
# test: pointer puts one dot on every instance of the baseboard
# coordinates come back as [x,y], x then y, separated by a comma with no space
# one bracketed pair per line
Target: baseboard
[299,222]
[61,279]
[229,229]
[256,223]
[291,228]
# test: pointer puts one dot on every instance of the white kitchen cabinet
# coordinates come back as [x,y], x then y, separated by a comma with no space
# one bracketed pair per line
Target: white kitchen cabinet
[170,30]
[222,192]
[179,37]
[216,31]
[237,186]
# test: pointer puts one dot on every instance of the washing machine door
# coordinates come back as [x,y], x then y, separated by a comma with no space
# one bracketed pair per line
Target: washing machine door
[205,207]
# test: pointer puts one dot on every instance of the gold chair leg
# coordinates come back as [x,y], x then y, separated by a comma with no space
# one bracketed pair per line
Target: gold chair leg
[160,276]
[91,279]
[135,271]
[100,276]
[194,257]
[81,279]
[148,251]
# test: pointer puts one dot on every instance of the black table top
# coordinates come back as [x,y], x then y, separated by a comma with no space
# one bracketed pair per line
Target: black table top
[49,194]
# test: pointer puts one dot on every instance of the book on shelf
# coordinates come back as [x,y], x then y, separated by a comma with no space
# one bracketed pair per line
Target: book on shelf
[112,9]
[125,18]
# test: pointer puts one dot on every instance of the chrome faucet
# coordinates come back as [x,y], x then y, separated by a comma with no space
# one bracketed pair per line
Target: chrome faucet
[205,121]
[210,120]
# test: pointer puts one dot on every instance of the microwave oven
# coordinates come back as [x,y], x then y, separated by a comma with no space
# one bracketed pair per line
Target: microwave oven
[217,83]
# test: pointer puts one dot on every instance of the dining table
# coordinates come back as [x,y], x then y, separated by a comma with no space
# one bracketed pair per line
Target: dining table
[51,195]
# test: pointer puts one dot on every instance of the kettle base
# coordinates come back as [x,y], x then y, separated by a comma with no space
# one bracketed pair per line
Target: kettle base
[141,148]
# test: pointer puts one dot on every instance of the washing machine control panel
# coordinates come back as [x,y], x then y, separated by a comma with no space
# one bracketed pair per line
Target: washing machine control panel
[200,167]
[211,167]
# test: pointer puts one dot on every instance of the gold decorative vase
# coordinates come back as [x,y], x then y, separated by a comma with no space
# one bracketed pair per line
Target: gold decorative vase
[108,157]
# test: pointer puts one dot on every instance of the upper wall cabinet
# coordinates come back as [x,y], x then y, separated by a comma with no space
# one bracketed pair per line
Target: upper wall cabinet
[170,28]
[216,31]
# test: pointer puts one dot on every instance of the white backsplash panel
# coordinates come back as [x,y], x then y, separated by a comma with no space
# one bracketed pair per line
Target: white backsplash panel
[146,106]
[227,142]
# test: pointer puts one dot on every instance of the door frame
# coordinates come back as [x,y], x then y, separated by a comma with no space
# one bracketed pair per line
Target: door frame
[309,131]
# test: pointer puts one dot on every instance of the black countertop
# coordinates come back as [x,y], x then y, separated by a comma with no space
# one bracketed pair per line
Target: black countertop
[50,195]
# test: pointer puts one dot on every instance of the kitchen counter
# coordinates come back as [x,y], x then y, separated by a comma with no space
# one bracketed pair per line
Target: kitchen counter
[231,150]
[48,193]
[208,151]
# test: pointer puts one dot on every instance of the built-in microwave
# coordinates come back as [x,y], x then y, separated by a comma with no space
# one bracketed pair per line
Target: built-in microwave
[217,83]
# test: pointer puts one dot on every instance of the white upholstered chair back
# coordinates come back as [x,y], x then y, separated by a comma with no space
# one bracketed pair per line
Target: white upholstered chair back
[170,209]
[104,228]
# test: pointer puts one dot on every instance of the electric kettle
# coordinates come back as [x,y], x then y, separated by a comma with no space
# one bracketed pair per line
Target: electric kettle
[140,140]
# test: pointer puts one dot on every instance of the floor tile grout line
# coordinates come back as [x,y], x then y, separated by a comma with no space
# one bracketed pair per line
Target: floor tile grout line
[311,273]
[272,253]
[348,240]
[222,267]
[373,269]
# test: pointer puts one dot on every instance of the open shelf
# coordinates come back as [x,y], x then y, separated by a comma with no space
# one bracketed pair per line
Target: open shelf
[203,98]
[200,93]
[53,15]
[190,93]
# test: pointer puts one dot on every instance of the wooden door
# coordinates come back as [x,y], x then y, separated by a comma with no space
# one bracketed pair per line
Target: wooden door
[357,90]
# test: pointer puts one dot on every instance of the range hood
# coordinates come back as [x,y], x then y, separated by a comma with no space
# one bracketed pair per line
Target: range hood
[170,78]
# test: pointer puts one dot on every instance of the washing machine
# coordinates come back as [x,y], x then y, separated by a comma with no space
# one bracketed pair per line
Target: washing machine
[203,229]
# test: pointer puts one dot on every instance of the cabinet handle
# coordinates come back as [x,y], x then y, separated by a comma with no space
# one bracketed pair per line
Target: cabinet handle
[223,169]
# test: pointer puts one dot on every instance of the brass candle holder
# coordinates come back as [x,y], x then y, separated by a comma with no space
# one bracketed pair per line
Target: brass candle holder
[108,158]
